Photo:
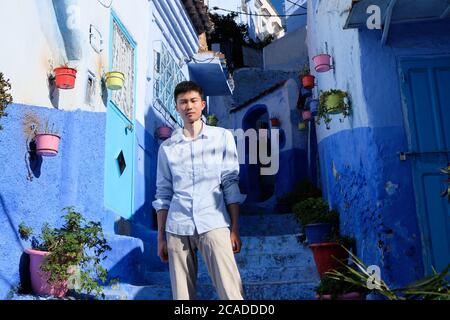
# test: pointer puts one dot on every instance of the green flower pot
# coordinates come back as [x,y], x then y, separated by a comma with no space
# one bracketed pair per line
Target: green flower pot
[333,102]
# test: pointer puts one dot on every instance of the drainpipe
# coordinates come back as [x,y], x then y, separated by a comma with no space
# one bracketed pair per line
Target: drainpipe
[68,16]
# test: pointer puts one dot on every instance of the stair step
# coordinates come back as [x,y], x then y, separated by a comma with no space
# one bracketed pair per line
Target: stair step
[308,273]
[270,225]
[270,244]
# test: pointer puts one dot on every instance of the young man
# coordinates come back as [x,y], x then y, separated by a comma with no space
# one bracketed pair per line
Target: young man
[197,201]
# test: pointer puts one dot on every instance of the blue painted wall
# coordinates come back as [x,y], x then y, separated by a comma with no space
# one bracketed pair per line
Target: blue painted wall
[360,170]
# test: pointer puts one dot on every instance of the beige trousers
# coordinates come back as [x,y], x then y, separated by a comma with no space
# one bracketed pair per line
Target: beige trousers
[215,248]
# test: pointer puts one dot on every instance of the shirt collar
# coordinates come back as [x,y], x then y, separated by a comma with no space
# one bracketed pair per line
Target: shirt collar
[178,135]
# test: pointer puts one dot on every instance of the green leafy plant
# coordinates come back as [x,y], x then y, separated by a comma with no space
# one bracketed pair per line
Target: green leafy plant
[5,96]
[47,128]
[433,287]
[324,111]
[446,192]
[78,244]
[212,120]
[303,189]
[305,70]
[315,210]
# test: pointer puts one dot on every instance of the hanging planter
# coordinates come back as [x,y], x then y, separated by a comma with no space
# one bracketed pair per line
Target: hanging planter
[212,120]
[308,81]
[164,132]
[302,126]
[313,105]
[306,115]
[275,122]
[114,80]
[65,77]
[333,102]
[322,62]
[47,144]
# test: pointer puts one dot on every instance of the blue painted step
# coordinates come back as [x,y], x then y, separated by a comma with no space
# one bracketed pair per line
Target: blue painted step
[268,224]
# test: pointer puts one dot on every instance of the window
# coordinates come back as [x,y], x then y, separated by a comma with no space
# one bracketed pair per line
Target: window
[123,61]
[167,74]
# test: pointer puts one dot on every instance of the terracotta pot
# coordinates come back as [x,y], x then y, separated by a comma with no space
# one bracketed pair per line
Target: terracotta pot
[308,81]
[275,122]
[65,77]
[325,254]
[39,279]
[322,62]
[47,144]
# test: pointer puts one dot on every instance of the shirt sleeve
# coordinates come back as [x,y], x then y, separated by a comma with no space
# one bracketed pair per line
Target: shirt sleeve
[164,189]
[230,172]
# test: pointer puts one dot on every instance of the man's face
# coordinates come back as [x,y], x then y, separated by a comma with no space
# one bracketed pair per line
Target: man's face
[190,106]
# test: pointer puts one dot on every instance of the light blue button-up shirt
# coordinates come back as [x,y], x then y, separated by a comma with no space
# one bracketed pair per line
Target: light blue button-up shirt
[196,179]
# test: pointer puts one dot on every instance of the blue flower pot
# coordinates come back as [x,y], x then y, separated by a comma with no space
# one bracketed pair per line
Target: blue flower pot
[317,232]
[313,105]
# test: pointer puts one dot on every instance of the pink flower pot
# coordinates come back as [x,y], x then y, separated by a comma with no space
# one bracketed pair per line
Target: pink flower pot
[164,132]
[47,144]
[39,278]
[306,115]
[322,62]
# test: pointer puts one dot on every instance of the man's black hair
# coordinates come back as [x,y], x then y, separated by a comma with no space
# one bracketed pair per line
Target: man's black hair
[187,86]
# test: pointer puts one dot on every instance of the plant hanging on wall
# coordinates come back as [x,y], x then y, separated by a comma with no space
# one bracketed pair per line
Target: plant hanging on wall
[5,96]
[333,102]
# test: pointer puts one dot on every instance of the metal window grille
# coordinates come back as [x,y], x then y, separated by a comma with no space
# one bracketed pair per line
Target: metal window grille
[167,74]
[123,61]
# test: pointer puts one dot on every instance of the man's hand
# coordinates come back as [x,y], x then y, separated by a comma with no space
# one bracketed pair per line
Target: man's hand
[162,250]
[236,243]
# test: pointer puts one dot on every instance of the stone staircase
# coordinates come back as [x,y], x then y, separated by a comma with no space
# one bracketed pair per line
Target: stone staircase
[272,263]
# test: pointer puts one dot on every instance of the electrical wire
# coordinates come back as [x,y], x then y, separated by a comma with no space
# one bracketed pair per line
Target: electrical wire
[297,4]
[105,5]
[260,15]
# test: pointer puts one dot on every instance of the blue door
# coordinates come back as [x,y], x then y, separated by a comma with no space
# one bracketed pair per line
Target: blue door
[426,90]
[120,135]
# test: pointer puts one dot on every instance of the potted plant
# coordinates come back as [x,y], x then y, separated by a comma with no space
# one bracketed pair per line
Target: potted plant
[212,120]
[331,253]
[322,62]
[114,80]
[433,287]
[65,77]
[164,132]
[330,288]
[47,141]
[5,96]
[332,102]
[275,121]
[306,77]
[58,254]
[316,219]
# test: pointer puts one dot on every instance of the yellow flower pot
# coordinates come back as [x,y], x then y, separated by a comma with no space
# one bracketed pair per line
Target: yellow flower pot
[301,126]
[114,80]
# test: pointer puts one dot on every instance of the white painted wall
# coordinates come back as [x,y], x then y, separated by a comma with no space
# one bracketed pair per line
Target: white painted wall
[325,35]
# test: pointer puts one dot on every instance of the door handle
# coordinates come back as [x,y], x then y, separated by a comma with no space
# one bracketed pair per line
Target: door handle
[404,154]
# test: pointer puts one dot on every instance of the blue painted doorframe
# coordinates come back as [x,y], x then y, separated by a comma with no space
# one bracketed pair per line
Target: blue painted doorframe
[426,92]
[120,145]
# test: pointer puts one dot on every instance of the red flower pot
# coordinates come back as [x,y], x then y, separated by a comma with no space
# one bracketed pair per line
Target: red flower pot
[65,77]
[39,279]
[164,132]
[47,144]
[325,254]
[275,122]
[308,81]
